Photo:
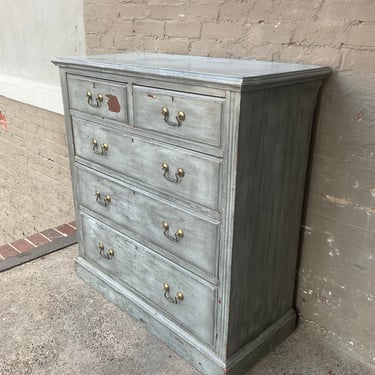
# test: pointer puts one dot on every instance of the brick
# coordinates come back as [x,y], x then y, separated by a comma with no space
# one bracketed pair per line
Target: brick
[266,52]
[7,251]
[51,234]
[122,27]
[166,12]
[363,10]
[321,32]
[222,30]
[149,28]
[277,32]
[66,229]
[107,41]
[255,34]
[73,224]
[358,61]
[95,26]
[183,29]
[22,245]
[173,45]
[37,239]
[105,11]
[234,12]
[289,10]
[362,35]
[127,43]
[207,12]
[310,55]
[130,11]
[92,41]
[335,10]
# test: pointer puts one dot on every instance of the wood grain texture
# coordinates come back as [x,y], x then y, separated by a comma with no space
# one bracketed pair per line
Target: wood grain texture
[199,246]
[114,103]
[132,263]
[203,114]
[141,159]
[273,148]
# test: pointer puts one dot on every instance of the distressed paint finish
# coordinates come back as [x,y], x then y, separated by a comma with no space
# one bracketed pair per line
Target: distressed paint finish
[273,151]
[249,193]
[203,114]
[145,272]
[142,160]
[113,106]
[200,244]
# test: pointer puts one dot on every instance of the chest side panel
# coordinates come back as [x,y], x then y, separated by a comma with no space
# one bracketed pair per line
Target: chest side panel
[274,137]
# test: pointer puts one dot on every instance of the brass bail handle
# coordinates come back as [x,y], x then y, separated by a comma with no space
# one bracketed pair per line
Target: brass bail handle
[106,200]
[98,99]
[178,298]
[103,148]
[106,255]
[177,236]
[179,118]
[178,174]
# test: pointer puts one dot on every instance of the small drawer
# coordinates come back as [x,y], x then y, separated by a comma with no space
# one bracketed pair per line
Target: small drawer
[186,175]
[102,98]
[182,234]
[182,296]
[182,115]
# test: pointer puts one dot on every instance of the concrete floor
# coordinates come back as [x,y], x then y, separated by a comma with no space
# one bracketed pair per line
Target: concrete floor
[53,323]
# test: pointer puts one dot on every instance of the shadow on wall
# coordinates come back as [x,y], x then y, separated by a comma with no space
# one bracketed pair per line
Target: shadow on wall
[337,267]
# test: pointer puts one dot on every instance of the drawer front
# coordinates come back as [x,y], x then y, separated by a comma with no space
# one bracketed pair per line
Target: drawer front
[182,115]
[147,273]
[143,159]
[144,216]
[102,98]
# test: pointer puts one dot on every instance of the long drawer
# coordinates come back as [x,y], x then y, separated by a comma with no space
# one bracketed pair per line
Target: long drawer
[188,237]
[179,114]
[182,173]
[161,283]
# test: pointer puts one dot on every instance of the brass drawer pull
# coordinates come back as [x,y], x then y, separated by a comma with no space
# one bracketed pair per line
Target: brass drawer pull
[106,200]
[178,175]
[177,236]
[180,117]
[178,298]
[98,99]
[106,255]
[104,147]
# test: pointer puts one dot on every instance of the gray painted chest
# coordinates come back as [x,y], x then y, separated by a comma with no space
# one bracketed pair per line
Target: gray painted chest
[188,178]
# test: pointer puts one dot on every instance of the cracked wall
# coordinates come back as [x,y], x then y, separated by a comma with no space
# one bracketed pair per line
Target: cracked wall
[337,271]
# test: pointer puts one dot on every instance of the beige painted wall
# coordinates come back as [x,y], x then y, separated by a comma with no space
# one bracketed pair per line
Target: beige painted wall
[337,273]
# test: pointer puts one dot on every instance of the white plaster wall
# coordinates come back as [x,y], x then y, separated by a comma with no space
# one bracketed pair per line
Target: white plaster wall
[33,31]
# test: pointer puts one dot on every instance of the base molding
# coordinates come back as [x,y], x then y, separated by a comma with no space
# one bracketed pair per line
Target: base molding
[190,349]
[37,94]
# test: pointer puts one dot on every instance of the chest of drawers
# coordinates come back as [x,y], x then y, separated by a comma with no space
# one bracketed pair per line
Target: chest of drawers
[188,177]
